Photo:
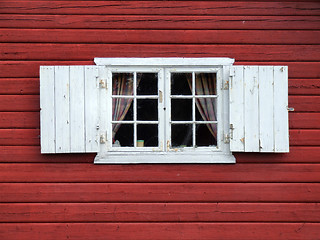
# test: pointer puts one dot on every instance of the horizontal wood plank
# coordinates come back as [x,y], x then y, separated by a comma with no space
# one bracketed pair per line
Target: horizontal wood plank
[54,51]
[30,69]
[19,137]
[31,154]
[150,212]
[159,192]
[304,137]
[72,173]
[304,120]
[159,7]
[168,231]
[304,86]
[19,103]
[305,103]
[19,120]
[19,86]
[159,36]
[158,22]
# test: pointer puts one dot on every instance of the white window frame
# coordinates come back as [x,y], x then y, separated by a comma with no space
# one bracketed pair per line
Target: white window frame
[165,154]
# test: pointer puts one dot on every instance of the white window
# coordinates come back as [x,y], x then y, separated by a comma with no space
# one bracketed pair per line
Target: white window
[163,110]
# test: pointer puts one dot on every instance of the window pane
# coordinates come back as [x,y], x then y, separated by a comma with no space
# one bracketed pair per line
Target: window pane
[147,109]
[122,109]
[147,135]
[181,135]
[123,135]
[181,83]
[147,83]
[206,135]
[205,83]
[206,109]
[181,109]
[122,83]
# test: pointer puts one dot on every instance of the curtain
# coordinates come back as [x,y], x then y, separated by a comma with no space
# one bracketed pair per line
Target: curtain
[205,84]
[122,84]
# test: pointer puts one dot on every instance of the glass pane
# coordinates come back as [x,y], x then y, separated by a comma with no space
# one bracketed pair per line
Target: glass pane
[147,135]
[122,109]
[147,109]
[147,83]
[123,135]
[205,83]
[181,135]
[206,135]
[181,83]
[181,109]
[206,109]
[122,83]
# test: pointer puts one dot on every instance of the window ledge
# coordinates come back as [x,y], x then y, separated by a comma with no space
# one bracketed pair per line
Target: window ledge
[152,157]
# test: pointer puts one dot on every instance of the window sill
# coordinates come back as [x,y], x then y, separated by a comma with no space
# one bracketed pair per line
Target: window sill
[153,157]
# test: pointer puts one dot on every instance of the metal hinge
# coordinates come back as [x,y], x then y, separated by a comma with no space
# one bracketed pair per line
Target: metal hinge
[227,138]
[103,138]
[103,84]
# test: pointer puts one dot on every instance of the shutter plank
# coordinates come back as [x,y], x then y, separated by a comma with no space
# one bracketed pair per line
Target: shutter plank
[237,109]
[266,108]
[62,109]
[91,108]
[47,115]
[251,108]
[281,127]
[77,127]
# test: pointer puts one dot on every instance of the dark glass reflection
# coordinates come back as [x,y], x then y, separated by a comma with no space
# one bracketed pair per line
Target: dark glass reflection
[203,135]
[124,136]
[147,109]
[181,109]
[181,135]
[181,83]
[147,83]
[147,135]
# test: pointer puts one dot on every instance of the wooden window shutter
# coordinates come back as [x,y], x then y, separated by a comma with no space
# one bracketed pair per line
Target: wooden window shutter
[259,109]
[69,102]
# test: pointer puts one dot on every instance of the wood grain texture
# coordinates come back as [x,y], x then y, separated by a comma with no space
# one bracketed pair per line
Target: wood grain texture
[169,231]
[81,52]
[304,86]
[81,173]
[149,212]
[31,154]
[158,22]
[159,192]
[304,120]
[159,36]
[160,8]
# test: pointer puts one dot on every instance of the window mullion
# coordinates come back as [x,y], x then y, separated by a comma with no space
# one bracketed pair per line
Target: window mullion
[135,109]
[193,111]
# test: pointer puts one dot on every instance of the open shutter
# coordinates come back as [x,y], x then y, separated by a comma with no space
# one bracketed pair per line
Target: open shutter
[69,116]
[259,109]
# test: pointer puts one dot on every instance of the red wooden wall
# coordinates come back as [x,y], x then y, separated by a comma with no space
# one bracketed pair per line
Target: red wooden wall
[262,196]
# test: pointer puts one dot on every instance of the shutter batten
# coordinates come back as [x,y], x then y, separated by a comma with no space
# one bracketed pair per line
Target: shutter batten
[263,124]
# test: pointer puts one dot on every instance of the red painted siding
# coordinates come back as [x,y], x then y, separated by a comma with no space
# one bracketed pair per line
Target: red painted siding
[262,196]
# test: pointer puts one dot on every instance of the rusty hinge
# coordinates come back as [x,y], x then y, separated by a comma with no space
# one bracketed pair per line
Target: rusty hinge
[103,138]
[227,138]
[102,83]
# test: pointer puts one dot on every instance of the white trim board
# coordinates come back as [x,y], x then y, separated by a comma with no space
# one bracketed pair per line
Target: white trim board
[163,61]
